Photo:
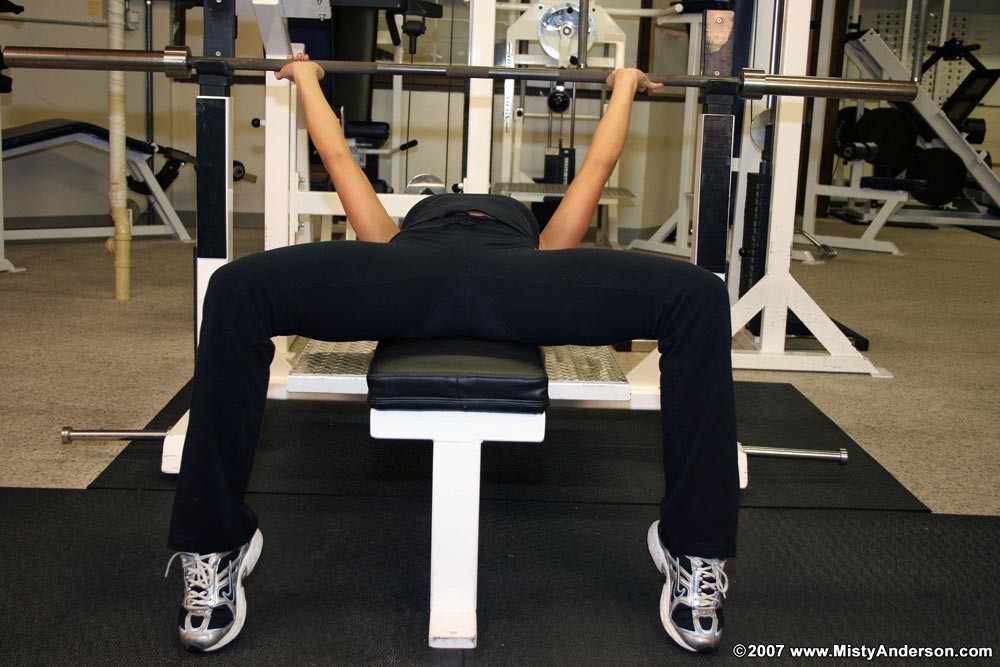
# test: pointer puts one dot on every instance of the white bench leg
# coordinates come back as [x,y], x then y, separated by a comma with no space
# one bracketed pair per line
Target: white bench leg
[454,544]
[173,446]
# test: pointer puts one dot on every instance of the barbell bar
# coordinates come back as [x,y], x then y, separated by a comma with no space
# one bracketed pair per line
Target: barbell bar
[840,456]
[178,62]
[70,435]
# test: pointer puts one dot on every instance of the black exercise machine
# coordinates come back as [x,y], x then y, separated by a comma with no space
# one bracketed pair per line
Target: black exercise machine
[889,138]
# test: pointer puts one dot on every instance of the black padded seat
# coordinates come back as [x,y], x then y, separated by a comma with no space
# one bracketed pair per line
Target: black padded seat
[458,374]
[911,185]
[370,134]
[54,128]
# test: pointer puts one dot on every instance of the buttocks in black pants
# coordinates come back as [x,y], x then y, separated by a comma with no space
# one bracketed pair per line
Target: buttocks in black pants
[462,275]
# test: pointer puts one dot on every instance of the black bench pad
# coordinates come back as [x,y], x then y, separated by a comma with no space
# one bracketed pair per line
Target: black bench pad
[55,128]
[371,134]
[458,374]
[43,130]
[911,185]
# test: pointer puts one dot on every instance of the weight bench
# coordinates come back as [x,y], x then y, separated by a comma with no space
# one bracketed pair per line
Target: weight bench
[33,137]
[457,393]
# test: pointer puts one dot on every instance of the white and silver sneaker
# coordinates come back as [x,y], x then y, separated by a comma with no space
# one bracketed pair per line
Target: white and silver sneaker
[214,607]
[691,603]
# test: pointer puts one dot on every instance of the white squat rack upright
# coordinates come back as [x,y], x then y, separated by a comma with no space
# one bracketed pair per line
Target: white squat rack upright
[778,292]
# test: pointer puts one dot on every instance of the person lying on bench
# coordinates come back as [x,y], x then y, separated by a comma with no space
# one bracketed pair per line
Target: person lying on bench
[461,266]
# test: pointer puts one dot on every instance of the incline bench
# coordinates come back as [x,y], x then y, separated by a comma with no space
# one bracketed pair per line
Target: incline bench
[40,135]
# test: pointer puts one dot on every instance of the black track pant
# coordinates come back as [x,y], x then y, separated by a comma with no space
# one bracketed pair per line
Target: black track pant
[462,280]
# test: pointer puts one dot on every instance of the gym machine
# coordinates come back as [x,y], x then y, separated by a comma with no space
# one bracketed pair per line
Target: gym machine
[947,175]
[554,34]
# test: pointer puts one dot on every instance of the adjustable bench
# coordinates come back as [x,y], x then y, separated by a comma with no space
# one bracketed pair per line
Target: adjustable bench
[457,393]
[40,135]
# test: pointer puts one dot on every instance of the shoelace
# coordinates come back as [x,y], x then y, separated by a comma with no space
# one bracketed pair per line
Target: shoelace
[706,583]
[202,580]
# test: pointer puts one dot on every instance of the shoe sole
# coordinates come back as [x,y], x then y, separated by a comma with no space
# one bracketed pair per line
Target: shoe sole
[246,567]
[660,560]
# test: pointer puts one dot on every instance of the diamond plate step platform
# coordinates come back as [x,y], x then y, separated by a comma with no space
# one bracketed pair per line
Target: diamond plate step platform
[540,191]
[575,372]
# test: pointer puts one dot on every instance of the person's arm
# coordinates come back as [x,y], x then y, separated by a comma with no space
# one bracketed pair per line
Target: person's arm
[362,205]
[572,218]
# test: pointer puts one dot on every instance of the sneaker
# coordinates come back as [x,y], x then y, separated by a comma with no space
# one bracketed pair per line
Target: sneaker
[691,603]
[214,606]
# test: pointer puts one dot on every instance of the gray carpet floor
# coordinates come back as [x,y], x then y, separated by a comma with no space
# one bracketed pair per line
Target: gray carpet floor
[72,355]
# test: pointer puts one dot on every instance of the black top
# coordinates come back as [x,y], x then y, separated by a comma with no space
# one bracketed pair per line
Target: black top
[505,210]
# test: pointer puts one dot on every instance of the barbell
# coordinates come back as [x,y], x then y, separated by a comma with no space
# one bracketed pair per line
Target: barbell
[178,62]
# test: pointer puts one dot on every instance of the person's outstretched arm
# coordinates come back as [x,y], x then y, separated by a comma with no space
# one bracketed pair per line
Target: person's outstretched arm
[572,218]
[363,208]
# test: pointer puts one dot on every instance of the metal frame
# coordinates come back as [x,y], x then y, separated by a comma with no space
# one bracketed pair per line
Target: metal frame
[892,202]
[778,292]
[525,29]
[774,295]
[815,147]
[458,438]
[763,56]
[681,220]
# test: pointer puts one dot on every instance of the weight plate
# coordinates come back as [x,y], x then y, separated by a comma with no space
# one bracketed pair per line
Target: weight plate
[944,172]
[425,184]
[895,133]
[846,131]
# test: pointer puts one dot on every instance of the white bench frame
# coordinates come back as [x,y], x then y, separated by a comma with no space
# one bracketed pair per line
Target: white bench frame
[458,439]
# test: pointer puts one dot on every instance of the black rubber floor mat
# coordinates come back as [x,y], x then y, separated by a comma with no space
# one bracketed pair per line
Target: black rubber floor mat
[344,581]
[319,447]
[992,232]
